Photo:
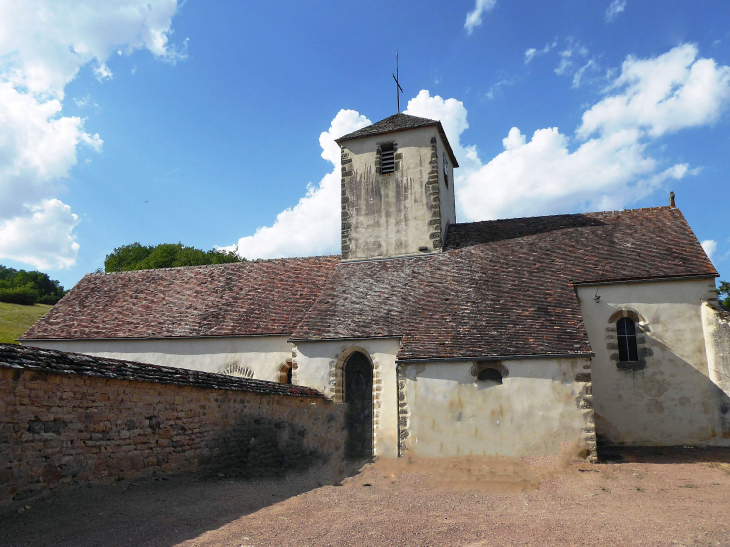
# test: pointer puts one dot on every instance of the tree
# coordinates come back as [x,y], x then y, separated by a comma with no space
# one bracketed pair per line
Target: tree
[165,255]
[724,289]
[28,288]
[126,257]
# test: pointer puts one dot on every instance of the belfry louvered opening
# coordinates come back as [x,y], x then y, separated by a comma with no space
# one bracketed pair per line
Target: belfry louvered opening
[387,158]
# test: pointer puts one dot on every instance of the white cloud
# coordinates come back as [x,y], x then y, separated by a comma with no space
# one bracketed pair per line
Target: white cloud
[549,172]
[608,167]
[614,8]
[474,17]
[662,94]
[44,238]
[312,226]
[495,89]
[76,33]
[543,176]
[578,76]
[82,102]
[531,53]
[572,51]
[37,148]
[710,246]
[43,45]
[452,115]
[103,72]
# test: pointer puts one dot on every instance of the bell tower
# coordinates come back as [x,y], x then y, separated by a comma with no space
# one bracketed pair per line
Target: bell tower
[397,188]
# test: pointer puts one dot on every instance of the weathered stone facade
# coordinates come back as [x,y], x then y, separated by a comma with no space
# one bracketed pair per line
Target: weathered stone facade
[405,212]
[59,428]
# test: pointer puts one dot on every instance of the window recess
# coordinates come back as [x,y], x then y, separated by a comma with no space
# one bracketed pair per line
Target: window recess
[387,158]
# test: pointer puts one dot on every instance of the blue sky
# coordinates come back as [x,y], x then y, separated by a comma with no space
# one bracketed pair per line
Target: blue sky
[213,124]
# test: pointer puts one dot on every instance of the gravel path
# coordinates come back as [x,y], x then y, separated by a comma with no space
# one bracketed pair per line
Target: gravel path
[670,499]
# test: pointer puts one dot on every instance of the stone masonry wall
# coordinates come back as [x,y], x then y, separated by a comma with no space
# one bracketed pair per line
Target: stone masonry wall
[68,418]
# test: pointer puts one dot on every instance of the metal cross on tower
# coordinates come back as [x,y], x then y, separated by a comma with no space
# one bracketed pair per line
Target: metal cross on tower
[398,89]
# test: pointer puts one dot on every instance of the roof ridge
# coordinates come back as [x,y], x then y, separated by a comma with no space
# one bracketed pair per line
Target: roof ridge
[615,211]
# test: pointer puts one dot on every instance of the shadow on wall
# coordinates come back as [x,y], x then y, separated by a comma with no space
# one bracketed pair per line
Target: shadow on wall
[258,462]
[265,447]
[664,403]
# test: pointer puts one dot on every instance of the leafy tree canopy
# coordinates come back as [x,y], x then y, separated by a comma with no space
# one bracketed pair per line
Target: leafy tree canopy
[723,294]
[28,288]
[165,255]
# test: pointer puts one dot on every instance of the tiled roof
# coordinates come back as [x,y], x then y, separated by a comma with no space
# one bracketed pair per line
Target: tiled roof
[396,122]
[503,287]
[400,122]
[61,362]
[242,299]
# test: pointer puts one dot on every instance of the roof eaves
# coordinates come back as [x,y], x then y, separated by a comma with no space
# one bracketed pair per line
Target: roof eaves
[495,358]
[618,281]
[435,123]
[141,338]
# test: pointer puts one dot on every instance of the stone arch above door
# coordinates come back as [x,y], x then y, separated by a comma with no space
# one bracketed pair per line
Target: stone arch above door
[337,377]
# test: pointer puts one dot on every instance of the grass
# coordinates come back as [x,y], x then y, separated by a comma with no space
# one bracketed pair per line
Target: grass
[16,319]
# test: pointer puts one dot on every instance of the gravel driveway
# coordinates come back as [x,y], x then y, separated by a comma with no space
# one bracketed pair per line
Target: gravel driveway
[649,498]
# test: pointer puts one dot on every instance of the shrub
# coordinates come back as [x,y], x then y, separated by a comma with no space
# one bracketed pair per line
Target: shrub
[25,295]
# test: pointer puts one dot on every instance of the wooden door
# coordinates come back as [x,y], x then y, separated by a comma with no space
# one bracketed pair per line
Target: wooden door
[359,412]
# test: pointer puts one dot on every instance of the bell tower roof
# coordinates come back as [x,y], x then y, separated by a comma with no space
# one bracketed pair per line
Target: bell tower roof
[400,122]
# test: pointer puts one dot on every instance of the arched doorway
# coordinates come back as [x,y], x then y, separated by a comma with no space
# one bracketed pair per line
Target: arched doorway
[358,393]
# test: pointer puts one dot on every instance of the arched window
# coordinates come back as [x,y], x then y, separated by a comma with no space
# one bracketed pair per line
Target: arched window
[626,331]
[490,375]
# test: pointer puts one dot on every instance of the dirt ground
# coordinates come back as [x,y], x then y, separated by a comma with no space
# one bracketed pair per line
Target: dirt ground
[647,498]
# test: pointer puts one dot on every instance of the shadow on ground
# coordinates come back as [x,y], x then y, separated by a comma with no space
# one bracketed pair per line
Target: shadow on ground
[159,511]
[662,454]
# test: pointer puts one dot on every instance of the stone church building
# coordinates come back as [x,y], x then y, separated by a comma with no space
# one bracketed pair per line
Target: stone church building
[508,337]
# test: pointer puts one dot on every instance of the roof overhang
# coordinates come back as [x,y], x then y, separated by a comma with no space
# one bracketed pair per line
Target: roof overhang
[586,355]
[436,124]
[645,280]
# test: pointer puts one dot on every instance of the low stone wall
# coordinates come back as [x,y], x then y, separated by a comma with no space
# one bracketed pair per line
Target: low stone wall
[68,418]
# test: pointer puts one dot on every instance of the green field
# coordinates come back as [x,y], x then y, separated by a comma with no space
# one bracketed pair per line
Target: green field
[16,319]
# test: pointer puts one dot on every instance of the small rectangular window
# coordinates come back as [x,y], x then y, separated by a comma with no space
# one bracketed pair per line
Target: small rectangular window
[387,158]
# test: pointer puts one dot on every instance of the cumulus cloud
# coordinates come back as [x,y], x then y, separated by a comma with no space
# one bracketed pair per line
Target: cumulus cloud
[76,33]
[38,144]
[614,8]
[44,238]
[606,165]
[603,165]
[661,95]
[710,246]
[474,17]
[312,226]
[37,148]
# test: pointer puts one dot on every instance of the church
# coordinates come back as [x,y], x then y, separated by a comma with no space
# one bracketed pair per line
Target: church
[513,337]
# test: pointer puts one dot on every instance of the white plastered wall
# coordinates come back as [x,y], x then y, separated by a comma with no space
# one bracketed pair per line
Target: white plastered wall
[446,193]
[672,400]
[532,413]
[316,367]
[716,326]
[263,355]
